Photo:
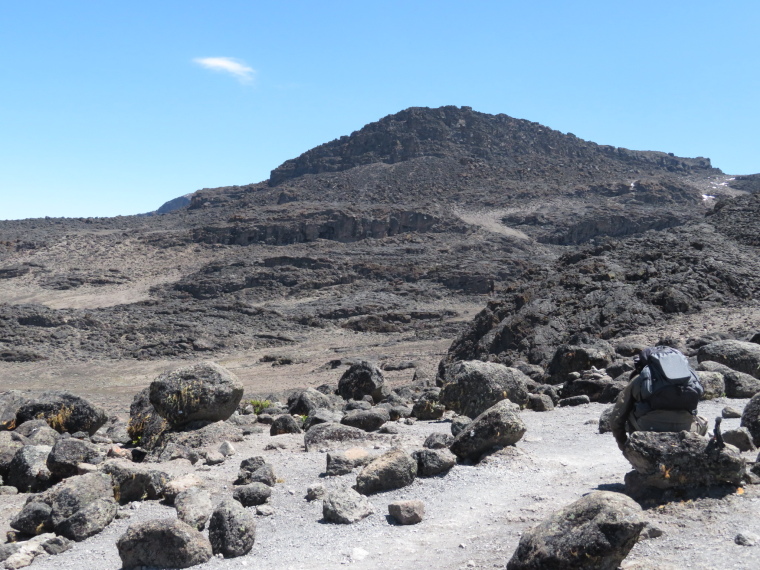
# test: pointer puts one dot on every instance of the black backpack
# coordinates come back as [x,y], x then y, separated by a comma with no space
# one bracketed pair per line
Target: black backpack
[671,383]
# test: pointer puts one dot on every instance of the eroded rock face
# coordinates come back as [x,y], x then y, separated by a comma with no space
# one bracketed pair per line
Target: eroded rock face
[168,543]
[204,391]
[499,425]
[667,460]
[28,470]
[595,532]
[472,387]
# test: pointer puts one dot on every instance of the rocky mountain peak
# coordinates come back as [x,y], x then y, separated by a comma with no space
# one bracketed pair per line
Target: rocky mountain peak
[461,133]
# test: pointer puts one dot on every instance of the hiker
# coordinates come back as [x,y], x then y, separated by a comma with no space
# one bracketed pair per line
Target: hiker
[662,396]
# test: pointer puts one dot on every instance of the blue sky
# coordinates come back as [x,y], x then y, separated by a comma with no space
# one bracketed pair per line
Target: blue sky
[110,108]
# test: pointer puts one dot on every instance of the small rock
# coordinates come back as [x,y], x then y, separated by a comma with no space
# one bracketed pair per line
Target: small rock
[730,413]
[227,449]
[231,529]
[316,491]
[265,510]
[407,512]
[253,494]
[214,458]
[746,539]
[574,401]
[346,506]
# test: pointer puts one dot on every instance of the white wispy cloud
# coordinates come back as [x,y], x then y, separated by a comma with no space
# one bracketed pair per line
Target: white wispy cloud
[228,65]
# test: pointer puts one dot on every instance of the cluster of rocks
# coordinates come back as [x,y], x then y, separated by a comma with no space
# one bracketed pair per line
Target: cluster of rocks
[79,466]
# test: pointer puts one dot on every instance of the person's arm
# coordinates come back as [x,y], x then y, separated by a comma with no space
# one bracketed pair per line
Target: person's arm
[623,407]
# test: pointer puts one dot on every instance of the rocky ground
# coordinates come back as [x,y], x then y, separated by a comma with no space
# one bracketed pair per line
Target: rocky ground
[474,514]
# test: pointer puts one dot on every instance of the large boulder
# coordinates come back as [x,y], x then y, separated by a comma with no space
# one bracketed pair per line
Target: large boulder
[392,470]
[595,532]
[473,386]
[713,384]
[166,543]
[343,462]
[283,424]
[429,407]
[322,416]
[253,494]
[78,507]
[256,470]
[345,506]
[432,462]
[332,434]
[67,454]
[362,379]
[135,482]
[684,460]
[599,387]
[367,420]
[28,470]
[751,418]
[191,438]
[9,444]
[204,391]
[306,402]
[585,354]
[499,425]
[736,354]
[64,412]
[145,425]
[231,529]
[194,506]
[38,432]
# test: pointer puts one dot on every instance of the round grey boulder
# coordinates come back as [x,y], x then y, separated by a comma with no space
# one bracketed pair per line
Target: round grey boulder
[167,543]
[231,529]
[204,391]
[345,506]
[595,532]
[392,470]
[499,425]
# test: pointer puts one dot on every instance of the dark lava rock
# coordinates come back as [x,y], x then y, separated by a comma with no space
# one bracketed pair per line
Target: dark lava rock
[578,357]
[367,420]
[458,424]
[432,462]
[574,401]
[472,387]
[253,494]
[10,402]
[595,532]
[684,460]
[305,402]
[68,453]
[736,354]
[362,379]
[392,470]
[499,425]
[204,391]
[438,441]
[64,412]
[740,439]
[332,434]
[283,424]
[597,386]
[145,425]
[751,418]
[34,518]
[28,470]
[231,529]
[134,482]
[428,407]
[321,416]
[346,506]
[89,520]
[166,543]
[540,403]
[256,470]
